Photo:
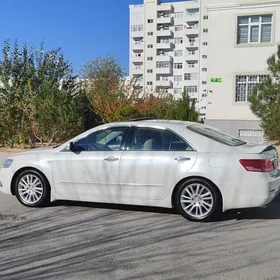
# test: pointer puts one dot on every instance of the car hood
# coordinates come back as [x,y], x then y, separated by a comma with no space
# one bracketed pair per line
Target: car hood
[49,149]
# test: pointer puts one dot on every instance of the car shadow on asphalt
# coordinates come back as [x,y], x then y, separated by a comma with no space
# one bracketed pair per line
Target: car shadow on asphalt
[272,211]
[121,207]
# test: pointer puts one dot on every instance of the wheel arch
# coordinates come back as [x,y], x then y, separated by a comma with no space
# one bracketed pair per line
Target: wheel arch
[12,187]
[197,178]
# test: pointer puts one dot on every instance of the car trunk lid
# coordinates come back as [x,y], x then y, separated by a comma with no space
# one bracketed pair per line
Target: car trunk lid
[267,150]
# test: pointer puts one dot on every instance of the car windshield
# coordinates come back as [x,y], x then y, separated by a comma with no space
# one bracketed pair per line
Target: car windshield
[216,135]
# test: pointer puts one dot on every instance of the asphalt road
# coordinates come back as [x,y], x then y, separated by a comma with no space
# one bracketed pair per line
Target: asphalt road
[93,241]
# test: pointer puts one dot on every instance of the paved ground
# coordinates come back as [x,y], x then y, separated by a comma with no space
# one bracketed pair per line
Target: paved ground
[90,241]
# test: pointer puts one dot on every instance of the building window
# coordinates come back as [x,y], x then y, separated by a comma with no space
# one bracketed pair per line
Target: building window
[204,82]
[150,58]
[205,17]
[178,65]
[178,40]
[150,46]
[177,78]
[137,28]
[137,16]
[179,15]
[191,65]
[204,56]
[204,69]
[162,53]
[250,134]
[138,66]
[163,64]
[150,71]
[205,30]
[164,41]
[150,33]
[244,85]
[149,83]
[190,76]
[150,20]
[162,78]
[177,90]
[205,44]
[179,27]
[178,53]
[254,29]
[191,89]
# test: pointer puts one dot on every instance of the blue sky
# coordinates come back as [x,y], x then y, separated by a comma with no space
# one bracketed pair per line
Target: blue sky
[84,29]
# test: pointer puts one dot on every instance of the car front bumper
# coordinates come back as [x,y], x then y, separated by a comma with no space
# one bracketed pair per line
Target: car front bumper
[6,176]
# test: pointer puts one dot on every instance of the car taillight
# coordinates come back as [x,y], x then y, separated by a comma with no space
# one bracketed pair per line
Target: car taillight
[257,165]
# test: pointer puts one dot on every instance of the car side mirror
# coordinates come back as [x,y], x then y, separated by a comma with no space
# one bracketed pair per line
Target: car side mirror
[70,147]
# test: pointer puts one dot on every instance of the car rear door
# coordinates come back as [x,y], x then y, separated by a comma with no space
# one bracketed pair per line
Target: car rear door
[155,158]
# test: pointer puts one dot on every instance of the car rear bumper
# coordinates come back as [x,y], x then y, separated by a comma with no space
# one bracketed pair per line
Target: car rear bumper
[273,191]
[6,176]
[258,192]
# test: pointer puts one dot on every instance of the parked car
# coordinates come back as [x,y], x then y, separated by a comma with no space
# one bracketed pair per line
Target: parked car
[199,170]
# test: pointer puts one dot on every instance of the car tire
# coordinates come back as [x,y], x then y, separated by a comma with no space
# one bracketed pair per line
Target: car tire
[197,200]
[32,189]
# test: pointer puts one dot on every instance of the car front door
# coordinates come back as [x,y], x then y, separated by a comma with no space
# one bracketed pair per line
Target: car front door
[91,171]
[156,158]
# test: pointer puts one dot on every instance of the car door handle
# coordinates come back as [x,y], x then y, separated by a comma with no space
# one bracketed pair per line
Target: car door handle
[182,159]
[111,159]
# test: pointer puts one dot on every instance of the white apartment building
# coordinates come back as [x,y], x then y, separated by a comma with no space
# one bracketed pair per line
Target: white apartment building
[242,35]
[167,50]
[216,49]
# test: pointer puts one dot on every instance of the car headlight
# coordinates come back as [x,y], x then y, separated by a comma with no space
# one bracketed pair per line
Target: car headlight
[7,163]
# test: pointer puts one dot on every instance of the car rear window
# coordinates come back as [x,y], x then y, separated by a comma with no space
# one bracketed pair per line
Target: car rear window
[216,135]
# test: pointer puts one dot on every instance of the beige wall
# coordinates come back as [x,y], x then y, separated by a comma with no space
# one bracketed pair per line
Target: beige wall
[226,59]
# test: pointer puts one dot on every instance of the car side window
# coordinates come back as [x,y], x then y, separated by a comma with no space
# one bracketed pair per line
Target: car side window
[149,139]
[103,140]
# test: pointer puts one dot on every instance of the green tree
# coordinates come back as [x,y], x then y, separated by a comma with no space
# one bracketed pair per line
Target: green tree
[10,96]
[265,99]
[185,109]
[113,99]
[103,83]
[39,97]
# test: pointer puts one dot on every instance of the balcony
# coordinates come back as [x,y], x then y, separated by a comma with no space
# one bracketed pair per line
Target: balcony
[165,8]
[192,17]
[167,70]
[192,69]
[191,31]
[164,46]
[192,44]
[164,58]
[139,83]
[137,46]
[192,56]
[137,58]
[188,83]
[164,20]
[164,84]
[137,34]
[165,33]
[137,71]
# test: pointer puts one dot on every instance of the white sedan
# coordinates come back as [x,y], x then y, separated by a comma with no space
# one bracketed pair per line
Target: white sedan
[197,169]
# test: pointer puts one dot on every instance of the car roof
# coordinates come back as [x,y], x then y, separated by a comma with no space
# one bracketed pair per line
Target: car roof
[154,122]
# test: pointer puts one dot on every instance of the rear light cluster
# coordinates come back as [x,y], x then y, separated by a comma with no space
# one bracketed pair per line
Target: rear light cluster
[257,165]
